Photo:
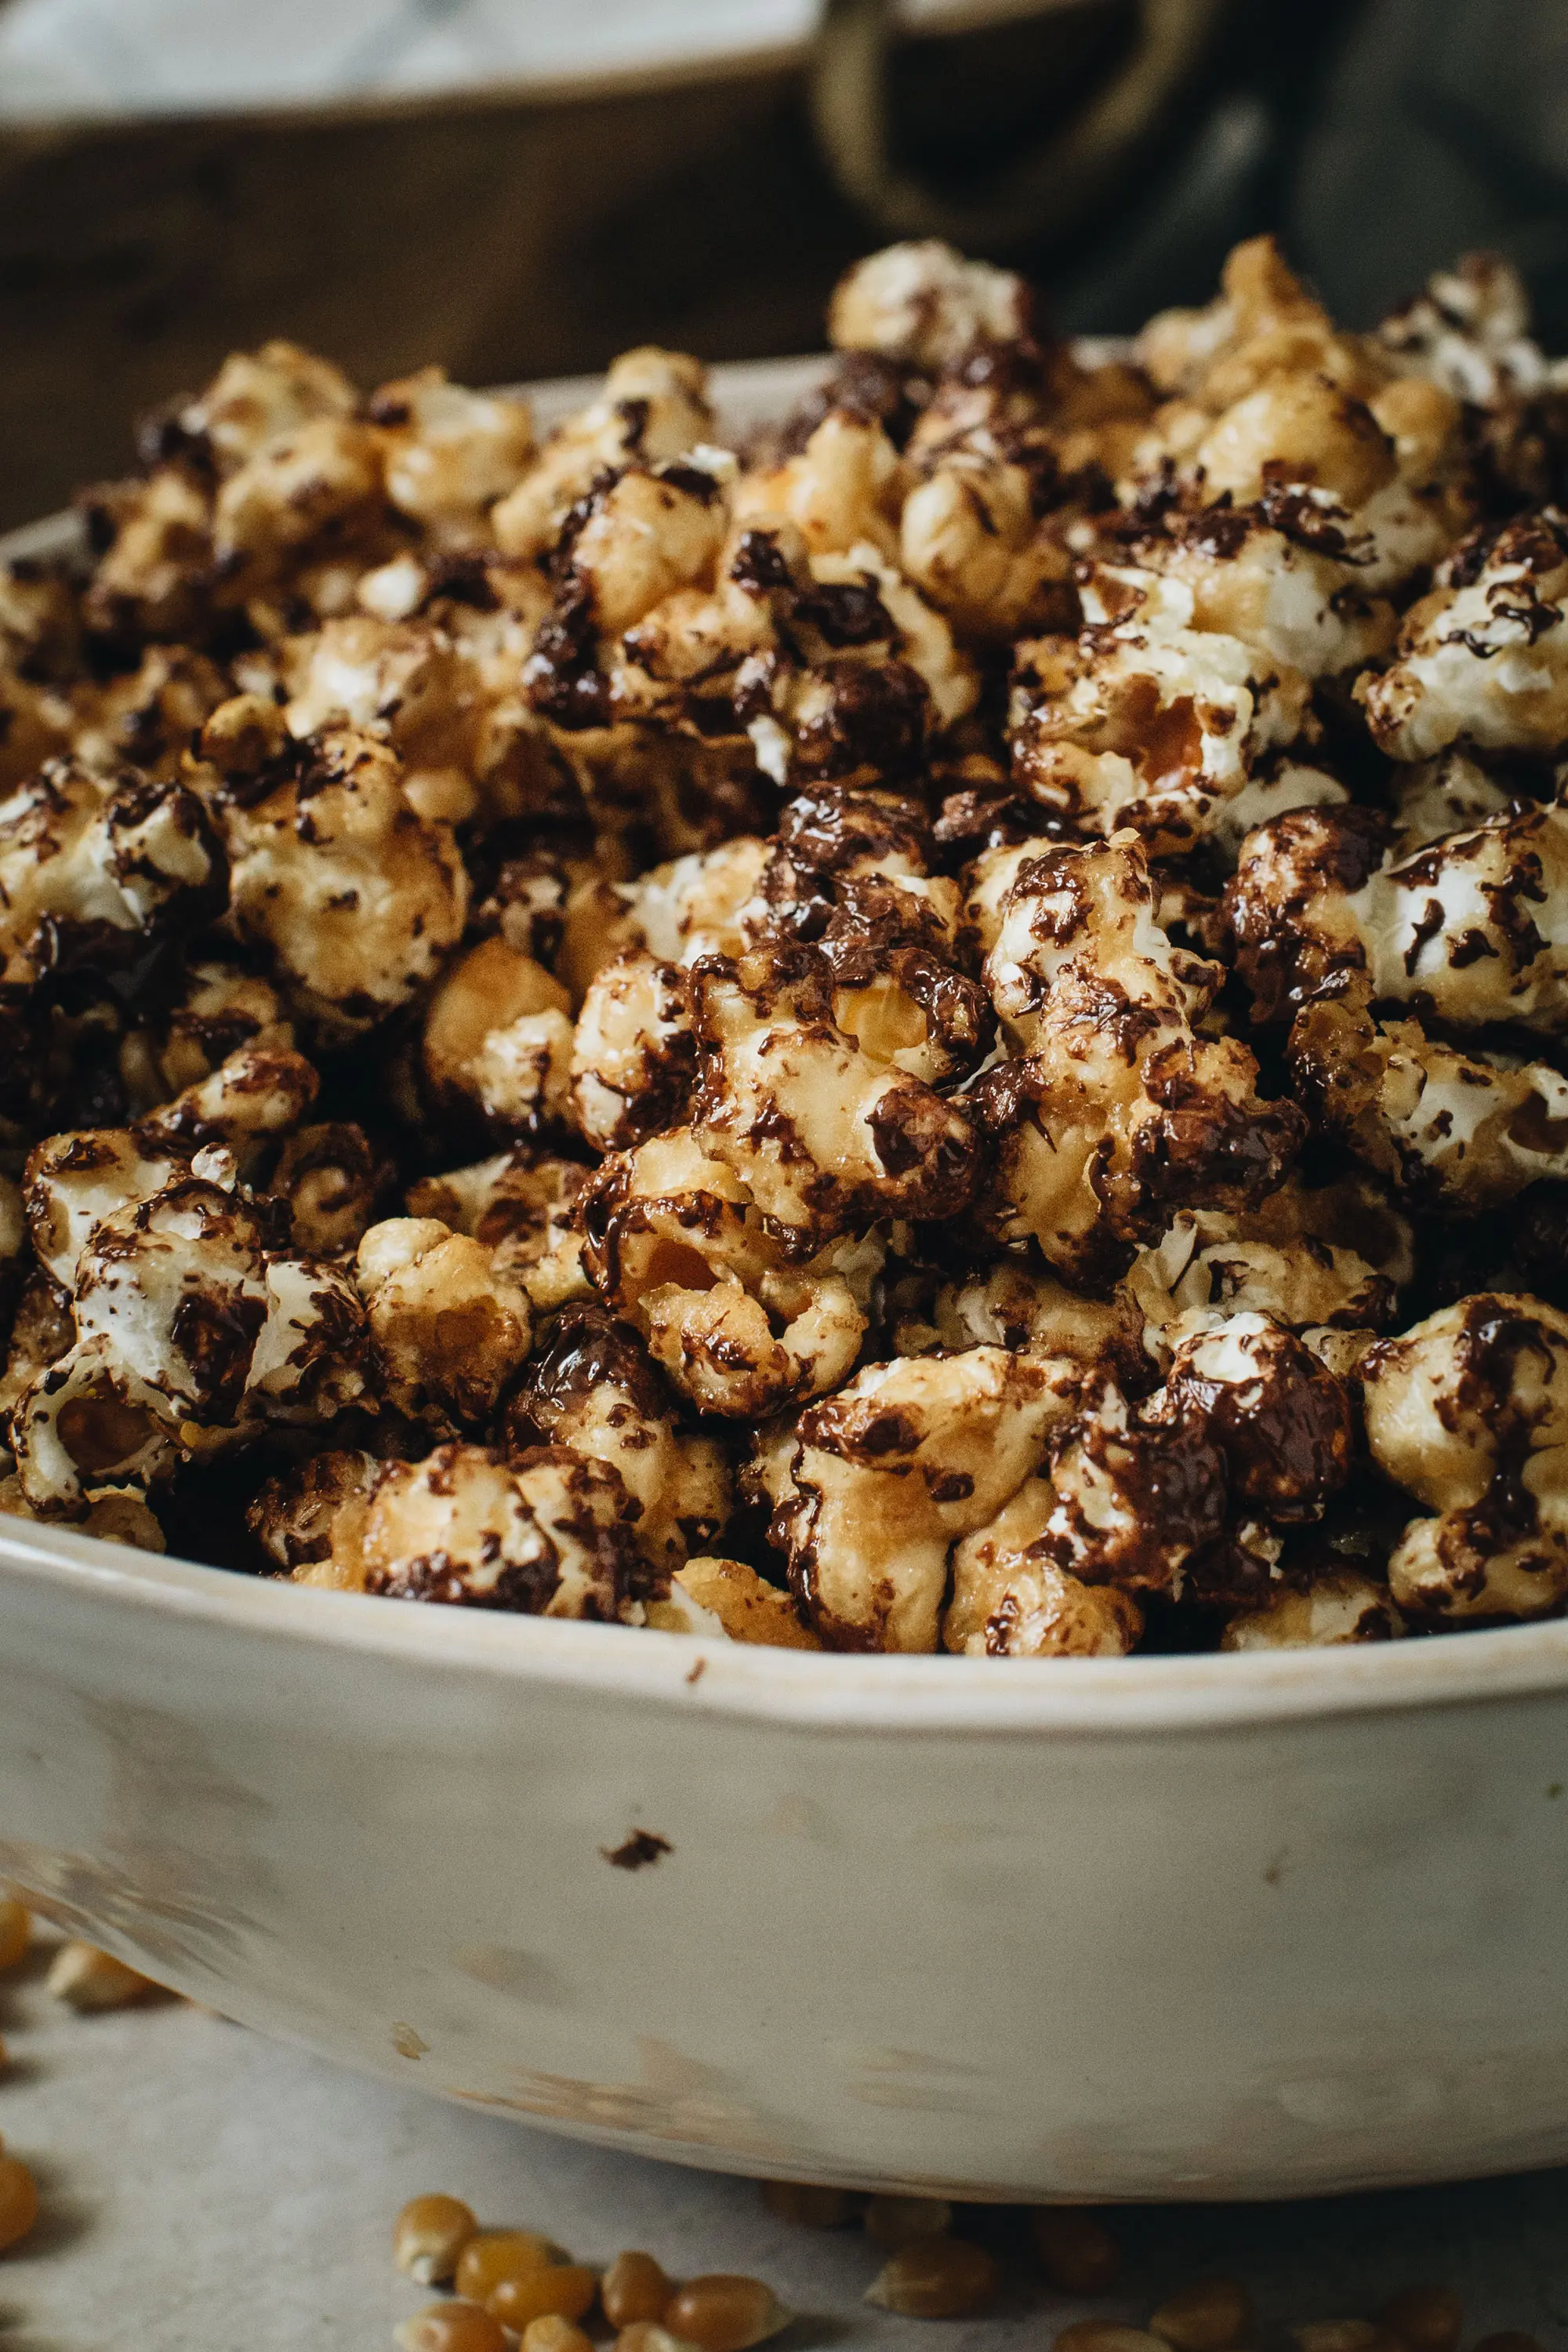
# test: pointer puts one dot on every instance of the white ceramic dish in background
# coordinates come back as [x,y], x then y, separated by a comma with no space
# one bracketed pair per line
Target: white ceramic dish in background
[1241,1927]
[68,61]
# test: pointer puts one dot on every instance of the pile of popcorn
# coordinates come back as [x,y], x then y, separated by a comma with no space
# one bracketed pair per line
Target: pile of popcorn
[944,1030]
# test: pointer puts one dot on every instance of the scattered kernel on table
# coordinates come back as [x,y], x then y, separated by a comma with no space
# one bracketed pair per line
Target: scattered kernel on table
[647,2336]
[1341,2335]
[90,1979]
[893,2222]
[812,2207]
[1210,2315]
[451,2327]
[1105,2336]
[1425,2318]
[15,1931]
[551,2333]
[484,2260]
[936,2278]
[1077,2251]
[18,2200]
[552,2291]
[430,2235]
[635,2287]
[724,2313]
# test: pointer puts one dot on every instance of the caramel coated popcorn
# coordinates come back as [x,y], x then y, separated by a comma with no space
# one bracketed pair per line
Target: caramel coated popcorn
[905,1035]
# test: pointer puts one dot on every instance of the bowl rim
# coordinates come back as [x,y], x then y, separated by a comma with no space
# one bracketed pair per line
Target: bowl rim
[852,1692]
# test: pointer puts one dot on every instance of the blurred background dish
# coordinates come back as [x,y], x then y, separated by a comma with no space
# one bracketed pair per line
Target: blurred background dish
[519,188]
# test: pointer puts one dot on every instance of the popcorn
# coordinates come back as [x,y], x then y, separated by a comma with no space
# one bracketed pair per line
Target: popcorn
[1010,1599]
[1282,577]
[1112,1111]
[522,1205]
[258,1093]
[1448,794]
[887,678]
[970,540]
[740,1320]
[1329,926]
[332,1177]
[1296,428]
[153,539]
[843,491]
[302,1519]
[1012,1305]
[1484,658]
[1467,336]
[824,1132]
[1278,407]
[1467,332]
[450,454]
[886,1476]
[447,1333]
[1314,1260]
[353,897]
[92,870]
[1136,1491]
[404,683]
[1333,1609]
[594,1390]
[35,726]
[214,1006]
[256,398]
[188,1328]
[1466,1413]
[42,1329]
[1262,324]
[73,1182]
[148,716]
[40,622]
[546,1535]
[1466,925]
[654,408]
[618,1027]
[678,911]
[647,532]
[634,1052]
[497,1038]
[747,1608]
[1282,1422]
[297,490]
[925,303]
[1148,722]
[1465,1130]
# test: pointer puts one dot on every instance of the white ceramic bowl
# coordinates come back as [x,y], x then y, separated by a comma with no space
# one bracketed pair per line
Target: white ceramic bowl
[1186,1926]
[1215,1926]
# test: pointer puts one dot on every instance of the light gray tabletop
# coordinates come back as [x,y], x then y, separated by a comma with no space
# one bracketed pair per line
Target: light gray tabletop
[205,2190]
